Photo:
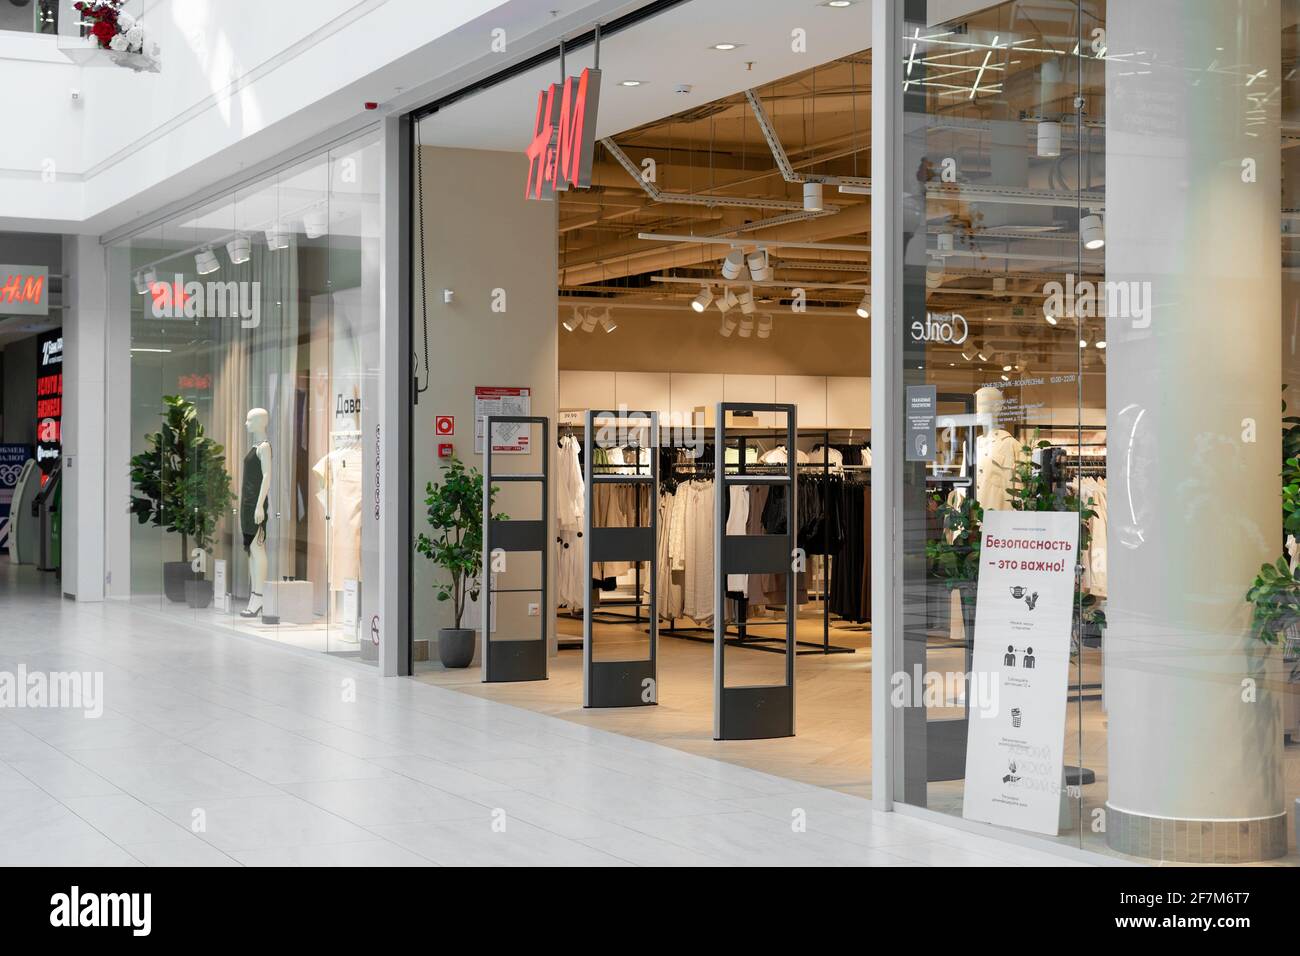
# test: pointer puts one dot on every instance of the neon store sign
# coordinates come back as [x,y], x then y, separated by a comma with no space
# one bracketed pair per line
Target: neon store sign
[24,290]
[564,136]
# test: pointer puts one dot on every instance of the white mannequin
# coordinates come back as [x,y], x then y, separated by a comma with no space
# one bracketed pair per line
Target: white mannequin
[256,423]
[996,453]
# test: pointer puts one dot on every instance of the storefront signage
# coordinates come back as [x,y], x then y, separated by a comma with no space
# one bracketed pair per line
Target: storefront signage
[922,409]
[1023,616]
[49,403]
[949,329]
[507,439]
[24,290]
[564,136]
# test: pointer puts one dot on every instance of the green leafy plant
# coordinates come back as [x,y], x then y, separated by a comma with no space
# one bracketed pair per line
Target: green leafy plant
[1275,592]
[455,515]
[955,555]
[181,480]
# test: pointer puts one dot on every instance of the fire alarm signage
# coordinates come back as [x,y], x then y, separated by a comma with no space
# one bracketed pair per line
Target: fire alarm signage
[444,425]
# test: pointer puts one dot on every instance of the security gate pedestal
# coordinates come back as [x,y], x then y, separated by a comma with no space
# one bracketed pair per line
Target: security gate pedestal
[755,712]
[515,660]
[626,683]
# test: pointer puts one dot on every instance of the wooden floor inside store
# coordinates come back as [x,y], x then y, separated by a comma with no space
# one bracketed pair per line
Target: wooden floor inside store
[832,746]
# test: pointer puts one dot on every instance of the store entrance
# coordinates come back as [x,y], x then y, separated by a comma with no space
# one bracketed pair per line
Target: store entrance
[697,330]
[31,413]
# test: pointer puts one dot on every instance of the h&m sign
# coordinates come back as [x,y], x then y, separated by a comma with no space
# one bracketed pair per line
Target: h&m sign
[564,136]
[24,290]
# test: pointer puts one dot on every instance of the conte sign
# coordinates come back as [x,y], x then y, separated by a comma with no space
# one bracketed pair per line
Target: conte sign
[24,290]
[564,136]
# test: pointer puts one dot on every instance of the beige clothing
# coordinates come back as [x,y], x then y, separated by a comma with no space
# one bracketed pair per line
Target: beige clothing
[995,469]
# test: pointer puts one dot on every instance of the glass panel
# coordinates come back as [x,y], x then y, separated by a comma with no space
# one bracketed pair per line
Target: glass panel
[1000,688]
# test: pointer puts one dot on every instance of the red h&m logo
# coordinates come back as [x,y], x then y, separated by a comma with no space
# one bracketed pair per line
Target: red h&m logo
[564,136]
[24,290]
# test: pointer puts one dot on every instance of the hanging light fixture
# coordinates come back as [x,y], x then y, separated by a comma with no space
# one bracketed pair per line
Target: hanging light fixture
[275,238]
[864,307]
[747,302]
[589,320]
[760,268]
[934,273]
[205,263]
[315,223]
[239,249]
[727,301]
[728,326]
[733,265]
[764,326]
[1091,231]
[701,301]
[607,321]
[1049,139]
[141,283]
[812,198]
[746,327]
[573,321]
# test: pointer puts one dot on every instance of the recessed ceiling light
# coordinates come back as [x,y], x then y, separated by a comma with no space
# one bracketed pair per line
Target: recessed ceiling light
[631,82]
[725,46]
[838,4]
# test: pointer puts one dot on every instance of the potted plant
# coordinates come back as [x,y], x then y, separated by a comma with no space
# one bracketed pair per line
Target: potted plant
[182,485]
[455,545]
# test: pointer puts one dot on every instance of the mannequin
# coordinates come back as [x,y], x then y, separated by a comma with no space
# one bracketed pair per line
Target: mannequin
[996,453]
[255,492]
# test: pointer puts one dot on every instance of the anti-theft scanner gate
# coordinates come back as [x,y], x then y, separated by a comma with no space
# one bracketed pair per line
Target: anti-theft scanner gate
[634,682]
[515,660]
[753,712]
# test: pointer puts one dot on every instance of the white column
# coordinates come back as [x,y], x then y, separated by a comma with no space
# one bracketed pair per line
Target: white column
[1194,509]
[85,326]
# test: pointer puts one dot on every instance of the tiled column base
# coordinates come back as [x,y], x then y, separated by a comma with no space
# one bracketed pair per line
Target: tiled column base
[1196,841]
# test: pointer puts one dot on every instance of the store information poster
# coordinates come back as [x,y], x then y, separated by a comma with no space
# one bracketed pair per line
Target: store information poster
[1021,669]
[507,439]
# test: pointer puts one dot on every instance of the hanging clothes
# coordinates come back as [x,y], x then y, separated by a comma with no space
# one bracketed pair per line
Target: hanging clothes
[571,584]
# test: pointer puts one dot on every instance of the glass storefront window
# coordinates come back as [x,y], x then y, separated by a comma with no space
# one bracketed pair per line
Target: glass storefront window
[1097,337]
[253,322]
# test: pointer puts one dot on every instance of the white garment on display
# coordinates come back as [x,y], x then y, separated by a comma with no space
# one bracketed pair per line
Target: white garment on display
[737,521]
[778,456]
[339,477]
[995,469]
[571,586]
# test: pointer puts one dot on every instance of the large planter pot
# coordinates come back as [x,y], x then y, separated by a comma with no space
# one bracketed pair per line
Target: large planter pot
[198,593]
[175,574]
[456,646]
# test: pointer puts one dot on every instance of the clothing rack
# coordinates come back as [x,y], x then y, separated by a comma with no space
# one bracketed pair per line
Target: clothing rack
[743,638]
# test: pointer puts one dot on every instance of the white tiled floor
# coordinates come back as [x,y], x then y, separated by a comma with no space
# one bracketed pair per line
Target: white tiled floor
[216,750]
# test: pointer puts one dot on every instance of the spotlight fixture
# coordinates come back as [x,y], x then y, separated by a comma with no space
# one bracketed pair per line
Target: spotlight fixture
[1101,344]
[838,4]
[1006,378]
[589,320]
[631,82]
[1007,368]
[1051,319]
[999,283]
[150,280]
[276,239]
[701,301]
[1083,343]
[573,321]
[1049,139]
[943,242]
[733,265]
[983,353]
[315,223]
[1092,232]
[240,250]
[864,307]
[746,327]
[727,301]
[206,262]
[141,286]
[812,197]
[969,353]
[747,302]
[724,47]
[760,267]
[607,322]
[764,326]
[728,326]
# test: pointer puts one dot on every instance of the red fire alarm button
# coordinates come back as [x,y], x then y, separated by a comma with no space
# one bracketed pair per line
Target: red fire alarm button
[444,450]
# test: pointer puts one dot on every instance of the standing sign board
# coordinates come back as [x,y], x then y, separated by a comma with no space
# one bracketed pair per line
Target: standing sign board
[49,403]
[508,438]
[1021,669]
[12,459]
